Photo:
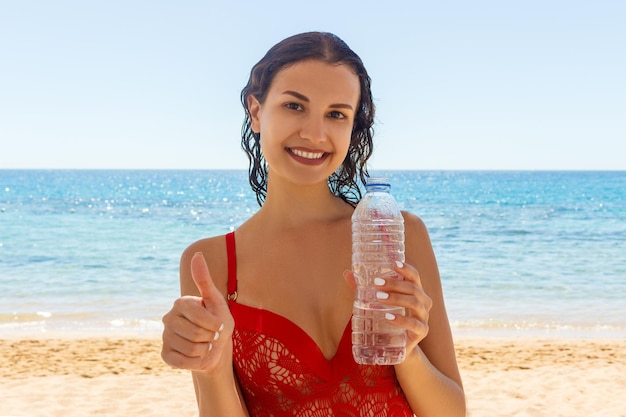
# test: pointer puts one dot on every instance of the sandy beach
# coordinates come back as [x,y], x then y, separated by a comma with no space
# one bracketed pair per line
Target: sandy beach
[125,377]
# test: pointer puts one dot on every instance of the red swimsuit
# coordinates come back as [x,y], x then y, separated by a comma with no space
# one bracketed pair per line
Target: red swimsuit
[282,371]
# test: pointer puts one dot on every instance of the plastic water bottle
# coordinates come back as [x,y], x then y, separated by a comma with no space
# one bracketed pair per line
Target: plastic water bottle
[377,243]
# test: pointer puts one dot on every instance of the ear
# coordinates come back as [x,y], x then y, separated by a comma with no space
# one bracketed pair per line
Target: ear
[254,108]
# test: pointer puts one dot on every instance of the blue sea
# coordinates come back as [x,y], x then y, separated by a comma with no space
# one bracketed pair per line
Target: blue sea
[520,253]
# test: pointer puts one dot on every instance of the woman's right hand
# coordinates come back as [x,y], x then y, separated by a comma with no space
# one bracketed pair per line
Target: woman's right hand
[198,331]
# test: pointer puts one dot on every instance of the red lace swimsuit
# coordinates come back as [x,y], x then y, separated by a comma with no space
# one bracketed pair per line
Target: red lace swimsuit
[282,371]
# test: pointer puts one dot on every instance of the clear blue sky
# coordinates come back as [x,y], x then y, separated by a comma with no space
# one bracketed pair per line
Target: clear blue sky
[536,84]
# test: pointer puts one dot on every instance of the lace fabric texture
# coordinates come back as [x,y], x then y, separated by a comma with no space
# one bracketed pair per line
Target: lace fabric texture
[284,376]
[283,372]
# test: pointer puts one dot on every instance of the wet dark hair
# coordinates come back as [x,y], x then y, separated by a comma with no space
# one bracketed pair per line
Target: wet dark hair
[328,48]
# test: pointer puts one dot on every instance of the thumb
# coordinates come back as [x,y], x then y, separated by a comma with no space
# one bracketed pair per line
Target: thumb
[202,277]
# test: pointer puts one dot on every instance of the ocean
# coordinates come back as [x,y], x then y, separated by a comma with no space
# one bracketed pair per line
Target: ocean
[520,253]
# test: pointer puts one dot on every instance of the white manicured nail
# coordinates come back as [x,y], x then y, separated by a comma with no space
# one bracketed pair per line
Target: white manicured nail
[379,281]
[382,295]
[390,316]
[217,336]
[399,264]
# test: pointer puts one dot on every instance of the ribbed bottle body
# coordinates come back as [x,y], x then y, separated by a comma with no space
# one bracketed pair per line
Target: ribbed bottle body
[377,243]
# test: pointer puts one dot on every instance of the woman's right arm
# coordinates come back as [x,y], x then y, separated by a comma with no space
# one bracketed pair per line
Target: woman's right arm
[197,336]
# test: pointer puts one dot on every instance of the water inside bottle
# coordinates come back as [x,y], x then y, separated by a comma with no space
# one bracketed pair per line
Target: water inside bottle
[374,340]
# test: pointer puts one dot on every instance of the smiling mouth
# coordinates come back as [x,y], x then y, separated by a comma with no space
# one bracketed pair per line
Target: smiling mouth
[307,155]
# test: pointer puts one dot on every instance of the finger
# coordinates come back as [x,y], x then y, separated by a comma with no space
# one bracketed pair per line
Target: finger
[214,302]
[410,282]
[415,305]
[179,360]
[408,272]
[192,321]
[186,345]
[188,348]
[415,320]
[417,329]
[350,280]
[406,293]
[202,277]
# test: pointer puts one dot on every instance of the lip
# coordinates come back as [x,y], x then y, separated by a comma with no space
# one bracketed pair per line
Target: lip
[308,156]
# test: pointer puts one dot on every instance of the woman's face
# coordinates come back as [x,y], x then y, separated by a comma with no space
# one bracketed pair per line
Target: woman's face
[306,120]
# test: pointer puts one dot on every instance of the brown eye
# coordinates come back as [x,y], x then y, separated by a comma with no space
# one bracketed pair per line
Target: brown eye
[293,106]
[336,115]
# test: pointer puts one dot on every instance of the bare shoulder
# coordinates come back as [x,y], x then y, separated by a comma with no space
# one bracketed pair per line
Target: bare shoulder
[419,251]
[214,251]
[415,229]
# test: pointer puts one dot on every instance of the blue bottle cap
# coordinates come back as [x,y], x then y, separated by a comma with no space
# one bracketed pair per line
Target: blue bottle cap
[377,181]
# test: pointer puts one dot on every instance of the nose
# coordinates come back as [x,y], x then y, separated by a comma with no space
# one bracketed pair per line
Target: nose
[314,129]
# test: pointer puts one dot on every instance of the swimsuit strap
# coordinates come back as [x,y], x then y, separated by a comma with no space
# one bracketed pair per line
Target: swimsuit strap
[231,254]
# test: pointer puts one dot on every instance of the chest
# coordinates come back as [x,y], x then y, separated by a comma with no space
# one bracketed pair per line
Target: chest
[301,279]
[283,375]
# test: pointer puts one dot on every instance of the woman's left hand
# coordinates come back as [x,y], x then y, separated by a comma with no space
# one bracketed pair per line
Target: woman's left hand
[407,293]
[410,294]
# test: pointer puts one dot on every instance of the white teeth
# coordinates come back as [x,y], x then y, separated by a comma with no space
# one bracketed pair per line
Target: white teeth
[308,155]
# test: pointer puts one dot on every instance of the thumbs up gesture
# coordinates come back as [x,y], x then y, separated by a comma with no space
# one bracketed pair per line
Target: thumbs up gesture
[197,330]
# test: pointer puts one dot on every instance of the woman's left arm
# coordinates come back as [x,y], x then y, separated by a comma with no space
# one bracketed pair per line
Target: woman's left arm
[429,375]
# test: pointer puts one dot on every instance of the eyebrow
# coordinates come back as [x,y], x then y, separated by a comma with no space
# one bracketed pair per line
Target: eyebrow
[306,100]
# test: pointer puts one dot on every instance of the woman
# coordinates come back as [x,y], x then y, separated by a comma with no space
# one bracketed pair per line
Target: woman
[264,319]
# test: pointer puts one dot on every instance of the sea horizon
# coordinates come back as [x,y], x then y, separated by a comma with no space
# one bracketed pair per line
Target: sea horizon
[581,170]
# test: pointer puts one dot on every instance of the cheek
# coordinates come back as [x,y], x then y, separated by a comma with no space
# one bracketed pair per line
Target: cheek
[270,147]
[345,146]
[344,143]
[265,149]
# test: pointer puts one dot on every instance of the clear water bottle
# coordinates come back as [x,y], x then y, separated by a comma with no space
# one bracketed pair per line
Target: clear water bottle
[377,243]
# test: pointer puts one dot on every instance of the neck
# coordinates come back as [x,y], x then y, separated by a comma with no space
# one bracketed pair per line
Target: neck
[291,205]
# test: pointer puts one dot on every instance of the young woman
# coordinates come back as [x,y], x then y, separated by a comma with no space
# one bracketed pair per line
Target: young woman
[264,319]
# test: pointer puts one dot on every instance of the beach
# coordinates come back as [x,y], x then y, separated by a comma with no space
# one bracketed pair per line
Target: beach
[123,376]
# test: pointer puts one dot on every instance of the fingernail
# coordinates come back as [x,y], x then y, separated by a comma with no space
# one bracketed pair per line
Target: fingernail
[221,327]
[399,264]
[382,295]
[210,347]
[390,316]
[379,281]
[217,336]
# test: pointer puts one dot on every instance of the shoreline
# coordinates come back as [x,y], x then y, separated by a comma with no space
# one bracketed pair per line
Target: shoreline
[465,333]
[122,375]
